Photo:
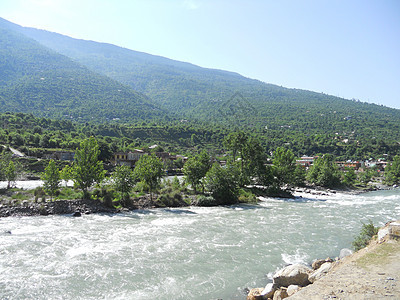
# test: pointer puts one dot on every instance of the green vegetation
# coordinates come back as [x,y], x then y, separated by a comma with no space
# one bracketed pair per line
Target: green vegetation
[368,231]
[149,170]
[51,179]
[324,172]
[196,168]
[87,169]
[123,181]
[393,171]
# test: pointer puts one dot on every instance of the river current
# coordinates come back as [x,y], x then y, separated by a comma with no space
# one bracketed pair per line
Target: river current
[187,253]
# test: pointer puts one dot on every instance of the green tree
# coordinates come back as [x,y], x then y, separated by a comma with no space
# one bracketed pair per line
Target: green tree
[149,170]
[66,174]
[324,172]
[123,181]
[253,163]
[196,168]
[392,172]
[234,142]
[9,170]
[51,178]
[87,169]
[222,184]
[349,177]
[284,163]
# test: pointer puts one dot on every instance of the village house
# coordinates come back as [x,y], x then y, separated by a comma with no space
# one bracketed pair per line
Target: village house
[128,158]
[305,161]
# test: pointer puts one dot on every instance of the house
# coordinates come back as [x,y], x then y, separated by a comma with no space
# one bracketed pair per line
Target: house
[349,164]
[305,161]
[128,158]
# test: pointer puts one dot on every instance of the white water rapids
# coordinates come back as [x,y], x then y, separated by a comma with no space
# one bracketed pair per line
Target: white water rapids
[188,253]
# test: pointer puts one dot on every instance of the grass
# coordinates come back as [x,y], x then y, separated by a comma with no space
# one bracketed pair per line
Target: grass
[69,194]
[380,255]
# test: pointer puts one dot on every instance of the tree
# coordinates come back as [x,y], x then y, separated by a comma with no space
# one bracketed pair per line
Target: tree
[123,181]
[149,170]
[87,169]
[235,141]
[51,178]
[349,177]
[284,165]
[8,169]
[196,168]
[324,172]
[392,172]
[221,183]
[66,174]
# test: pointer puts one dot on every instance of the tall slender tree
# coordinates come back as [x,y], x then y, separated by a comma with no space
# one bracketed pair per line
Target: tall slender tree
[149,170]
[87,169]
[51,178]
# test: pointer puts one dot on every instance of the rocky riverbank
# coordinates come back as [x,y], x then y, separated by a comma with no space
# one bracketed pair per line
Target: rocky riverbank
[59,207]
[371,273]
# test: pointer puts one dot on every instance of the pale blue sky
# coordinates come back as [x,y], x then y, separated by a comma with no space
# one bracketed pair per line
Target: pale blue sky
[346,48]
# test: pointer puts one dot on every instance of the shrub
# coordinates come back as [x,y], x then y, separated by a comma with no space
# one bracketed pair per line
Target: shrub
[247,196]
[366,234]
[170,198]
[203,200]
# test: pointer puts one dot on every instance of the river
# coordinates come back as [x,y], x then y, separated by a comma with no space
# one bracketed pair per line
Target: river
[188,253]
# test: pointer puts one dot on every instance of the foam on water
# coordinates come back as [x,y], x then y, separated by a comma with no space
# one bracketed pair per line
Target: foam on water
[188,253]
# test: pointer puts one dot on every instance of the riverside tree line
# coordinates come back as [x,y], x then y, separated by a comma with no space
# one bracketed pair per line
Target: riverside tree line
[245,174]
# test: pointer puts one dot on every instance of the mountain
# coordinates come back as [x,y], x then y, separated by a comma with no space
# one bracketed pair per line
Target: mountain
[211,96]
[36,79]
[216,95]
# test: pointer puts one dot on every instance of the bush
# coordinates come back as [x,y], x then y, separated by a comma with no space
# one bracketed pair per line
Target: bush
[170,198]
[366,234]
[247,197]
[203,200]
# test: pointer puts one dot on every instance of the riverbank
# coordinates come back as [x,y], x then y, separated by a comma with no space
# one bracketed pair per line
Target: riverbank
[11,205]
[370,273]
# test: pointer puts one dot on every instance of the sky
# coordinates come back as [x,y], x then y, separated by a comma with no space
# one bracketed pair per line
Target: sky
[345,48]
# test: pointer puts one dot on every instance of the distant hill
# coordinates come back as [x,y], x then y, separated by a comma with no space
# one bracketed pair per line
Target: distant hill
[215,95]
[297,118]
[36,79]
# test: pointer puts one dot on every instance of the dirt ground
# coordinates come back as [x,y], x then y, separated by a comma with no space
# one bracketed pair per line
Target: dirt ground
[371,273]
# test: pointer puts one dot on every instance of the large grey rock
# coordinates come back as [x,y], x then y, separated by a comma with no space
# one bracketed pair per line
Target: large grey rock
[296,274]
[321,272]
[345,252]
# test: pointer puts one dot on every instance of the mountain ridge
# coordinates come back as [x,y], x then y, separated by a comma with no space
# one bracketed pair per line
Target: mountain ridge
[207,96]
[37,79]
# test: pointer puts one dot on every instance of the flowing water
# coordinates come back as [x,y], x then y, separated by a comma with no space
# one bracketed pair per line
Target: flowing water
[188,253]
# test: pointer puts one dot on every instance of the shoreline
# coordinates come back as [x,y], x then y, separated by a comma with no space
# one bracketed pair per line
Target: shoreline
[17,208]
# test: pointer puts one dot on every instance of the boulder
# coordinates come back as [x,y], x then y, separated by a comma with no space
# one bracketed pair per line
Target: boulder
[269,290]
[255,294]
[77,214]
[319,262]
[321,272]
[280,294]
[292,289]
[294,274]
[345,252]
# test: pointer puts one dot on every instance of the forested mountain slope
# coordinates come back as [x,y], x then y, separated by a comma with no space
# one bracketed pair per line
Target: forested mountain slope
[221,96]
[39,80]
[307,122]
